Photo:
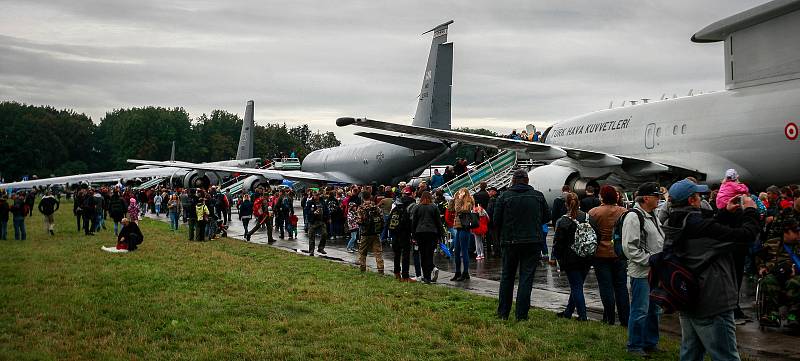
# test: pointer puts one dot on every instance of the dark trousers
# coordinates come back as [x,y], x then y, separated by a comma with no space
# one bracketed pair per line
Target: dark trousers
[322,229]
[401,246]
[427,245]
[88,220]
[192,225]
[612,280]
[78,220]
[263,221]
[201,230]
[525,258]
[245,222]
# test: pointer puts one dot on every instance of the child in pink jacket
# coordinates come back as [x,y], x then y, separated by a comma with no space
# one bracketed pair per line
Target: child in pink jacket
[730,188]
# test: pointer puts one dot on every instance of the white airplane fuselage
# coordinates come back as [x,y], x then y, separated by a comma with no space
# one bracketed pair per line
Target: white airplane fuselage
[745,129]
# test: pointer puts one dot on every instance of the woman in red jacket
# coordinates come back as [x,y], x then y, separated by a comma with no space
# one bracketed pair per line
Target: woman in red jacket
[480,231]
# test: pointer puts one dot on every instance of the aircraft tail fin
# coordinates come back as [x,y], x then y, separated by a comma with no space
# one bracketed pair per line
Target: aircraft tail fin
[433,109]
[245,149]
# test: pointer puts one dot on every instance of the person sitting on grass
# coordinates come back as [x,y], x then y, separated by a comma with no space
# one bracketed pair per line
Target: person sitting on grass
[130,237]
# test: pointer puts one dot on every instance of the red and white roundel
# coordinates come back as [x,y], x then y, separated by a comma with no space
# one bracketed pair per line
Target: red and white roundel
[791,131]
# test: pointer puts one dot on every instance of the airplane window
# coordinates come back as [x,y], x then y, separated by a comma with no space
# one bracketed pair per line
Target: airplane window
[675,130]
[658,132]
[683,129]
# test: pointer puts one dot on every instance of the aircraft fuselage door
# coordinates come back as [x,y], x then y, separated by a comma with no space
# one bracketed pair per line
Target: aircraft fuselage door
[650,136]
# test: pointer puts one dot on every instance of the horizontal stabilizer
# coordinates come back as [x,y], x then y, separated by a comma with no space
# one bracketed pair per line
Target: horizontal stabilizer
[410,143]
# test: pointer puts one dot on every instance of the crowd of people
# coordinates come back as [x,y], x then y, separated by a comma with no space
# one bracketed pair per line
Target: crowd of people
[719,235]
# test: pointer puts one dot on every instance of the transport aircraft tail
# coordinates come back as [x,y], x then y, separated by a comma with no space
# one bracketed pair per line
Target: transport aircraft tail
[245,149]
[433,109]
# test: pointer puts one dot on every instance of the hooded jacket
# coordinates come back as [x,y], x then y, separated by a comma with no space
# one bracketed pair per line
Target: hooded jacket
[710,243]
[519,214]
[48,205]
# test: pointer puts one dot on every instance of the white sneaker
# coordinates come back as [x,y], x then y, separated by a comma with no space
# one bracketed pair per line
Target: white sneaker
[435,274]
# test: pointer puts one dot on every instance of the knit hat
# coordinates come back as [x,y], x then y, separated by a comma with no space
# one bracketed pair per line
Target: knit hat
[731,174]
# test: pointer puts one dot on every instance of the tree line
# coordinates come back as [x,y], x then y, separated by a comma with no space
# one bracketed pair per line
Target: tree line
[44,141]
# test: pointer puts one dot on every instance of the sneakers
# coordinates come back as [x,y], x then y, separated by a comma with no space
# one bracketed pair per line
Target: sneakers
[435,275]
[322,251]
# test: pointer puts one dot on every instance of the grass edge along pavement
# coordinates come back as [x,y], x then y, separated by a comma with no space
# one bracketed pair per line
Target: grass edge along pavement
[62,297]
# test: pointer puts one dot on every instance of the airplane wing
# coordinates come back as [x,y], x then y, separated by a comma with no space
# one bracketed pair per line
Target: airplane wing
[295,175]
[541,151]
[101,177]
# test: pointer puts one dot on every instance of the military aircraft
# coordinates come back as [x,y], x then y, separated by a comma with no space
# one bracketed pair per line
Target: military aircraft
[751,126]
[384,158]
[187,178]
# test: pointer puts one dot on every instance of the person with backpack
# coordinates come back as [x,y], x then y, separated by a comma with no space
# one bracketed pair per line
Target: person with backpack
[706,245]
[639,242]
[117,209]
[338,217]
[88,207]
[370,220]
[285,208]
[318,223]
[426,223]
[565,243]
[400,232]
[463,205]
[519,214]
[47,206]
[245,212]
[610,266]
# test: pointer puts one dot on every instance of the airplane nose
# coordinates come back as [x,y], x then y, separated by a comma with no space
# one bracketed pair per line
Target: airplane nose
[345,121]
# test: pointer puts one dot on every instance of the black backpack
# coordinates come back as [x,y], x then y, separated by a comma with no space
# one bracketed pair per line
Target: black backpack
[398,218]
[616,234]
[673,285]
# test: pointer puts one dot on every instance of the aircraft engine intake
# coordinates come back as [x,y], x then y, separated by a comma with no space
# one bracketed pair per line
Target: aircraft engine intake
[549,179]
[199,179]
[254,181]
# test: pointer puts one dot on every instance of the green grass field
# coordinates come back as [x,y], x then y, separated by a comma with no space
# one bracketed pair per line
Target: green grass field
[63,298]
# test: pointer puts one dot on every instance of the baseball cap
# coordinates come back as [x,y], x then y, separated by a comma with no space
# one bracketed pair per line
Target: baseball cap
[683,189]
[408,190]
[649,189]
[731,174]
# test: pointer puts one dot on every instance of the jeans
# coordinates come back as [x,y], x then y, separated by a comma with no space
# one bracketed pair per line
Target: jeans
[463,237]
[385,232]
[524,257]
[351,245]
[158,208]
[612,280]
[116,228]
[3,230]
[643,322]
[87,220]
[401,246]
[577,301]
[98,222]
[714,335]
[19,228]
[173,220]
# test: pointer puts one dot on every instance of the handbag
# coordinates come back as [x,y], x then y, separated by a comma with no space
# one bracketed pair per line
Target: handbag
[469,220]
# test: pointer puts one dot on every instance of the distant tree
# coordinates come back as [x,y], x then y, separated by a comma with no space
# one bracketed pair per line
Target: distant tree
[470,152]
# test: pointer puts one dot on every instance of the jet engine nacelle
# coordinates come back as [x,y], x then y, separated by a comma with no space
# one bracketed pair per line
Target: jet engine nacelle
[549,179]
[199,179]
[254,181]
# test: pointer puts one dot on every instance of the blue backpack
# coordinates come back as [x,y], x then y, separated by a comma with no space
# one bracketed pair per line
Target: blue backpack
[616,235]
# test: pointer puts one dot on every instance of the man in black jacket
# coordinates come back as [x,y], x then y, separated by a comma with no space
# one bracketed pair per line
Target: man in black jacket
[47,206]
[401,235]
[130,234]
[482,196]
[519,213]
[88,206]
[707,245]
[559,206]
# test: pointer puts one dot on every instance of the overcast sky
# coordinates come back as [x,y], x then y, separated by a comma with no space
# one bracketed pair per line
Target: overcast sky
[515,62]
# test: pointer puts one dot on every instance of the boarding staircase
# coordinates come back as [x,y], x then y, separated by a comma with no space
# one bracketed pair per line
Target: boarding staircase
[150,184]
[495,171]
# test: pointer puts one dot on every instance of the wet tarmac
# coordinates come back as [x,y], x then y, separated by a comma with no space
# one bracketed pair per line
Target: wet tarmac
[550,290]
